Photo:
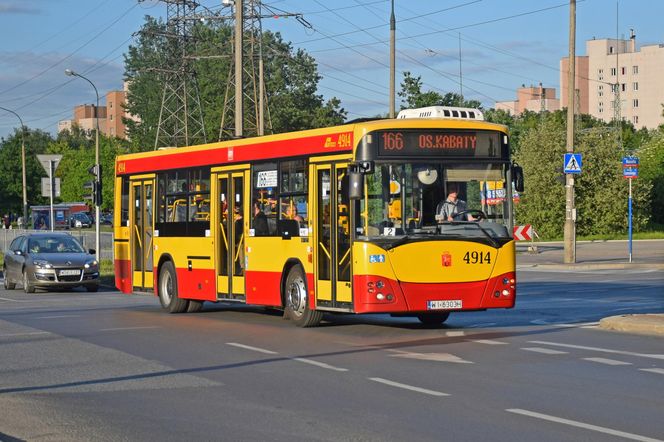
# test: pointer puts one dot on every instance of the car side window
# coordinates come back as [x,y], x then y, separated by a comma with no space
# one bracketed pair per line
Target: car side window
[15,244]
[22,244]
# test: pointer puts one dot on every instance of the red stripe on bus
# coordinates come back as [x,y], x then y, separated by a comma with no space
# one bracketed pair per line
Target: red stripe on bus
[413,297]
[123,275]
[198,284]
[263,288]
[237,154]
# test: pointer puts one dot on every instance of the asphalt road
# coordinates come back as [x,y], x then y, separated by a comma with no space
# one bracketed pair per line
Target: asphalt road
[105,366]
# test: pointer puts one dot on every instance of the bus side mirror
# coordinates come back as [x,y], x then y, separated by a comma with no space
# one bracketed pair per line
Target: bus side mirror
[356,185]
[517,177]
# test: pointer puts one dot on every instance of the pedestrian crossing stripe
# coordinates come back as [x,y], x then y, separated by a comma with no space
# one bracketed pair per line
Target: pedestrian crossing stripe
[572,163]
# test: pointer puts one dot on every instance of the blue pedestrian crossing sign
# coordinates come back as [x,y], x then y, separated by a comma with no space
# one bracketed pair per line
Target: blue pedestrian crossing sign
[572,163]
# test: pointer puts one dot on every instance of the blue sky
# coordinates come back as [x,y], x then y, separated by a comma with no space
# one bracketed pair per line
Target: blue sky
[504,44]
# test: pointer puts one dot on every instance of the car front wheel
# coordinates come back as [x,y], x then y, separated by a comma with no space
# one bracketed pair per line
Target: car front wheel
[27,286]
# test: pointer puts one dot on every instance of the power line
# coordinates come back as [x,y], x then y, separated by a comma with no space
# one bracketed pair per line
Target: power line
[71,54]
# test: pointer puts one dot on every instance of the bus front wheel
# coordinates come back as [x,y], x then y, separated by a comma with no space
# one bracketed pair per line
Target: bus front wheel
[168,290]
[297,300]
[433,319]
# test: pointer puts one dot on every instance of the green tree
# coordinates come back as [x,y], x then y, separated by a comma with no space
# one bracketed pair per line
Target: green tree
[600,190]
[11,182]
[413,97]
[291,82]
[77,148]
[651,156]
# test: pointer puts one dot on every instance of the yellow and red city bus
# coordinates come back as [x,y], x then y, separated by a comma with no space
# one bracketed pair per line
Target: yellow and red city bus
[336,220]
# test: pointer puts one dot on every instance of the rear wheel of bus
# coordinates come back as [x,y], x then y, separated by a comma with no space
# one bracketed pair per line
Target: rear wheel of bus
[297,300]
[433,319]
[168,290]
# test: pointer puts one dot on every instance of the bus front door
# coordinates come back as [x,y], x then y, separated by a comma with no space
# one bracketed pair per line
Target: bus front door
[231,215]
[141,234]
[332,251]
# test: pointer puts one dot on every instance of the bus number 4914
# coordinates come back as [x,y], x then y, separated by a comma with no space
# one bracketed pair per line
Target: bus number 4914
[477,257]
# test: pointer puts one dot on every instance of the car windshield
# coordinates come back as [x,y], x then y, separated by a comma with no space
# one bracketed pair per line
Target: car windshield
[54,244]
[462,200]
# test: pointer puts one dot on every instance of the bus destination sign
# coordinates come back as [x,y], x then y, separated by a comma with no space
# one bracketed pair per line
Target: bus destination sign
[438,143]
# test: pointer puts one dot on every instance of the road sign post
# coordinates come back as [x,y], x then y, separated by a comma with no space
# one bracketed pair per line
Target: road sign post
[630,172]
[50,164]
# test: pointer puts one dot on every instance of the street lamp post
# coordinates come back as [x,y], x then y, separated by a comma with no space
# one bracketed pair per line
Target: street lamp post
[25,191]
[71,73]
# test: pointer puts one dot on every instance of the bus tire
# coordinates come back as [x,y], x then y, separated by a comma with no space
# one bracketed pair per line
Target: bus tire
[433,319]
[194,306]
[8,285]
[168,290]
[27,287]
[297,300]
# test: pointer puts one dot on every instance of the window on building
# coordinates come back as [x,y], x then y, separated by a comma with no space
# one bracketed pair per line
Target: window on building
[110,105]
[635,119]
[623,87]
[635,86]
[635,69]
[111,117]
[600,94]
[635,102]
[613,72]
[611,51]
[623,70]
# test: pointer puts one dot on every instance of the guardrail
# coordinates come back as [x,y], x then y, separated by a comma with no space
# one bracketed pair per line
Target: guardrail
[85,237]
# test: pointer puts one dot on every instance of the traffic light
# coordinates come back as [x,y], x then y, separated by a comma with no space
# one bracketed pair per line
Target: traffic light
[89,191]
[96,194]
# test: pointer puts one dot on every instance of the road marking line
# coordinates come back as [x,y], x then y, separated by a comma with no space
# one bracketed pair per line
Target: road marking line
[607,361]
[14,300]
[129,328]
[453,334]
[546,351]
[11,335]
[483,324]
[408,387]
[248,347]
[436,357]
[56,317]
[583,425]
[319,364]
[489,342]
[653,370]
[579,325]
[605,350]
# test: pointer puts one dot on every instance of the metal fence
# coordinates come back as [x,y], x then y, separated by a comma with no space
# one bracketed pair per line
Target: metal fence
[85,237]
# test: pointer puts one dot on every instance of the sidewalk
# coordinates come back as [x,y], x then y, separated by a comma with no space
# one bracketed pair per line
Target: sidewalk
[593,255]
[603,255]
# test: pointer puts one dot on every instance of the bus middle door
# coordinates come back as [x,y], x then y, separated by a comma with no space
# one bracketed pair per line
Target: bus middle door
[332,250]
[141,223]
[231,216]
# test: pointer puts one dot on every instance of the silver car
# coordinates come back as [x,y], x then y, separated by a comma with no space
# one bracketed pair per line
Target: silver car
[49,260]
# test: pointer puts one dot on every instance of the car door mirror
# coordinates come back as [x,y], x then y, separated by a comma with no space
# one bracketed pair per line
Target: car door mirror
[92,251]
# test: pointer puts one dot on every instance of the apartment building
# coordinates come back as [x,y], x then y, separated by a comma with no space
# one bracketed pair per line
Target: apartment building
[110,116]
[533,98]
[616,63]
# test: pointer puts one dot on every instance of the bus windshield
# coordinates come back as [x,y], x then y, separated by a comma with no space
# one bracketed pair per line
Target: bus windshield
[442,199]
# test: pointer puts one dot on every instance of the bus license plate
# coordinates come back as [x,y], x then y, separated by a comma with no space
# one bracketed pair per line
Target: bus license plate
[69,272]
[453,304]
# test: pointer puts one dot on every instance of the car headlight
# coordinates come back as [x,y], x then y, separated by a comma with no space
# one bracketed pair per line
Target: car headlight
[42,264]
[91,264]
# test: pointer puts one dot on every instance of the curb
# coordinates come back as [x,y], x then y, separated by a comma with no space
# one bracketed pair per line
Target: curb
[642,324]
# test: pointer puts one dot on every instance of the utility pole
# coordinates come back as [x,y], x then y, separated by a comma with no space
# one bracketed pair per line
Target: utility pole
[239,110]
[393,28]
[570,209]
